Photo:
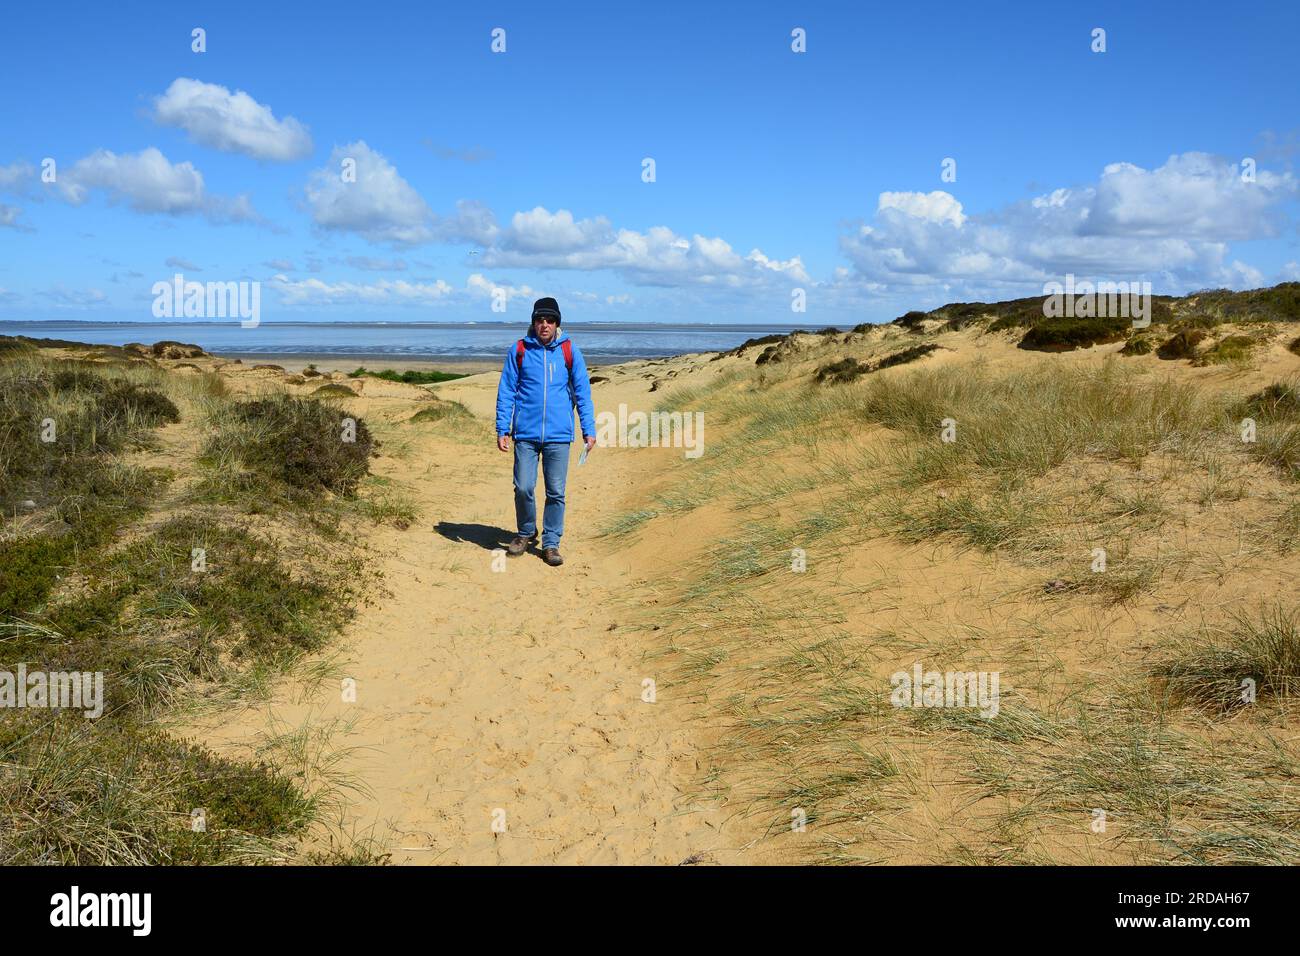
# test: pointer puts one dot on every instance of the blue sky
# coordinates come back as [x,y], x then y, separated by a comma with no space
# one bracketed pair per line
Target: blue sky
[522,171]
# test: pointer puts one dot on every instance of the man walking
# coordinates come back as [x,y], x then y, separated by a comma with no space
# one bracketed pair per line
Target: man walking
[543,380]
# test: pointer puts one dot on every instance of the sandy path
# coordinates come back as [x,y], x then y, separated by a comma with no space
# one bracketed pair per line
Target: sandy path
[480,690]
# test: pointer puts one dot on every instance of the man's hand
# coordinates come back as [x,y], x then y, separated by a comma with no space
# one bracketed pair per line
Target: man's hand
[503,442]
[591,441]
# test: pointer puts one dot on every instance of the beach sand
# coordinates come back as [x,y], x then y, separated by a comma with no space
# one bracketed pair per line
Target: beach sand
[348,363]
[482,690]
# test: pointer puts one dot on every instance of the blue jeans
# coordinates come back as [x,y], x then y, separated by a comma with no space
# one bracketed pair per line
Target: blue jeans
[555,469]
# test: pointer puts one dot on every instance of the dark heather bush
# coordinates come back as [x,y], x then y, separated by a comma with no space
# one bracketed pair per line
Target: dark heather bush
[300,441]
[910,354]
[1181,345]
[762,340]
[1066,334]
[1137,345]
[97,414]
[845,370]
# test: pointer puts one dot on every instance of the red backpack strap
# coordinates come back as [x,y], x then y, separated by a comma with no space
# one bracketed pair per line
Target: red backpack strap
[519,356]
[567,348]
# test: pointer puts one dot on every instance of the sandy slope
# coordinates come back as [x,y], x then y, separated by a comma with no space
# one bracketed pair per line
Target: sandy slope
[480,690]
[521,690]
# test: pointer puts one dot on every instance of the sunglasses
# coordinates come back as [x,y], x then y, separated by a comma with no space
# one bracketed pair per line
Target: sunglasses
[548,319]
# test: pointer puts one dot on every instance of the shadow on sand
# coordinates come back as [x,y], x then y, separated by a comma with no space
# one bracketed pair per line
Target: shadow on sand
[483,535]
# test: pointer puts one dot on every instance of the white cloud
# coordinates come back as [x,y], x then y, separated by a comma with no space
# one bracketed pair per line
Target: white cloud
[231,122]
[383,292]
[148,182]
[483,287]
[383,207]
[9,218]
[18,177]
[1192,196]
[937,206]
[473,222]
[1171,225]
[176,262]
[547,233]
[543,239]
[379,205]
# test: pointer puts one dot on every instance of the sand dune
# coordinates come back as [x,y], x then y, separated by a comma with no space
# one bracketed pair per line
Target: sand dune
[519,692]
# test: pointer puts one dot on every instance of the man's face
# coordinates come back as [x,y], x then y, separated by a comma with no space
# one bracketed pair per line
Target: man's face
[544,328]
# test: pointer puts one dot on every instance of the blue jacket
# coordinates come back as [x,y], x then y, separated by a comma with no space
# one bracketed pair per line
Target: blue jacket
[537,404]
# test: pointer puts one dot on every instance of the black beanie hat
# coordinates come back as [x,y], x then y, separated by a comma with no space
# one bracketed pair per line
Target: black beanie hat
[547,306]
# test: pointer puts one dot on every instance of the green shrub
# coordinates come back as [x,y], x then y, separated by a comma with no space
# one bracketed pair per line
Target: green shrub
[91,414]
[1181,345]
[845,370]
[1137,345]
[29,568]
[761,340]
[1066,334]
[1280,303]
[115,793]
[904,356]
[301,442]
[1231,348]
[441,410]
[252,798]
[1007,322]
[408,377]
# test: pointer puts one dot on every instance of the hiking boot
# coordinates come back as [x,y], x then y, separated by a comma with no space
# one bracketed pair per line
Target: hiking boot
[552,557]
[519,545]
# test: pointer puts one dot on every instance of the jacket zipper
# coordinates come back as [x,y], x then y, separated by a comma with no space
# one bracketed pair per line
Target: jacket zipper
[546,387]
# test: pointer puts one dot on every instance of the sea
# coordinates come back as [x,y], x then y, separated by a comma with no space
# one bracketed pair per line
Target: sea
[412,341]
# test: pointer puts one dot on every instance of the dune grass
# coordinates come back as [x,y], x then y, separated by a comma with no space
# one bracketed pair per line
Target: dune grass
[1250,659]
[989,487]
[1047,463]
[1277,411]
[101,575]
[441,410]
[63,429]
